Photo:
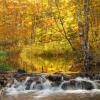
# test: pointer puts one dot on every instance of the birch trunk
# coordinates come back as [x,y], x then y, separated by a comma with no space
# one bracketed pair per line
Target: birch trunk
[83,31]
[86,42]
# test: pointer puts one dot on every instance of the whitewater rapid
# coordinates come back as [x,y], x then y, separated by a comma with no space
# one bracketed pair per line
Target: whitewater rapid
[44,88]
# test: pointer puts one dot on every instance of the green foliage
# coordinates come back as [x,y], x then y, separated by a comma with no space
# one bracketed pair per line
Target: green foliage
[5,67]
[3,55]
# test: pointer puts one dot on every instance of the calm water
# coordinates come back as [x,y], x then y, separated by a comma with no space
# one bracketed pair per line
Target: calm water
[69,95]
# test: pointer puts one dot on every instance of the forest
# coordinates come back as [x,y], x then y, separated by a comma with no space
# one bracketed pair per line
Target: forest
[49,49]
[34,33]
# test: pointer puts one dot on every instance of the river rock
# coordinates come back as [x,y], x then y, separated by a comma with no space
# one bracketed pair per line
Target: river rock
[3,81]
[20,71]
[38,83]
[74,84]
[97,77]
[54,78]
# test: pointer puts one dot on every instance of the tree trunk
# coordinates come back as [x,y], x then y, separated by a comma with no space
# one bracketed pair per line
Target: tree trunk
[83,32]
[86,42]
[33,29]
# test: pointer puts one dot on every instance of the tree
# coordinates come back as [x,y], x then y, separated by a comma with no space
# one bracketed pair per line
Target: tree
[62,24]
[84,30]
[86,42]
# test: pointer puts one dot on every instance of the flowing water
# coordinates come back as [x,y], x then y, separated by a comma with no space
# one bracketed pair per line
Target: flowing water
[40,88]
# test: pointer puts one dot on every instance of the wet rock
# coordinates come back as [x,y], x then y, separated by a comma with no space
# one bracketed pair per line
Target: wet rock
[86,75]
[97,82]
[4,78]
[55,84]
[1,92]
[64,86]
[21,77]
[20,71]
[54,78]
[28,84]
[57,78]
[39,86]
[97,77]
[71,84]
[74,84]
[3,81]
[87,85]
[65,77]
[36,80]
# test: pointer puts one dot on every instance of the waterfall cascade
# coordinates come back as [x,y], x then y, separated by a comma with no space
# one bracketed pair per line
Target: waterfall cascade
[56,82]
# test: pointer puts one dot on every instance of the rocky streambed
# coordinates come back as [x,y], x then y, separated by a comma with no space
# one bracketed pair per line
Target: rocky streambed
[57,86]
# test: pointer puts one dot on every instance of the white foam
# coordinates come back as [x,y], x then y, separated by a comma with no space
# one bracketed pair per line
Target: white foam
[48,92]
[19,88]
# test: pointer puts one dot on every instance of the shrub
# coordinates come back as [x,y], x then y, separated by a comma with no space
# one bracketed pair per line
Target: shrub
[5,67]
